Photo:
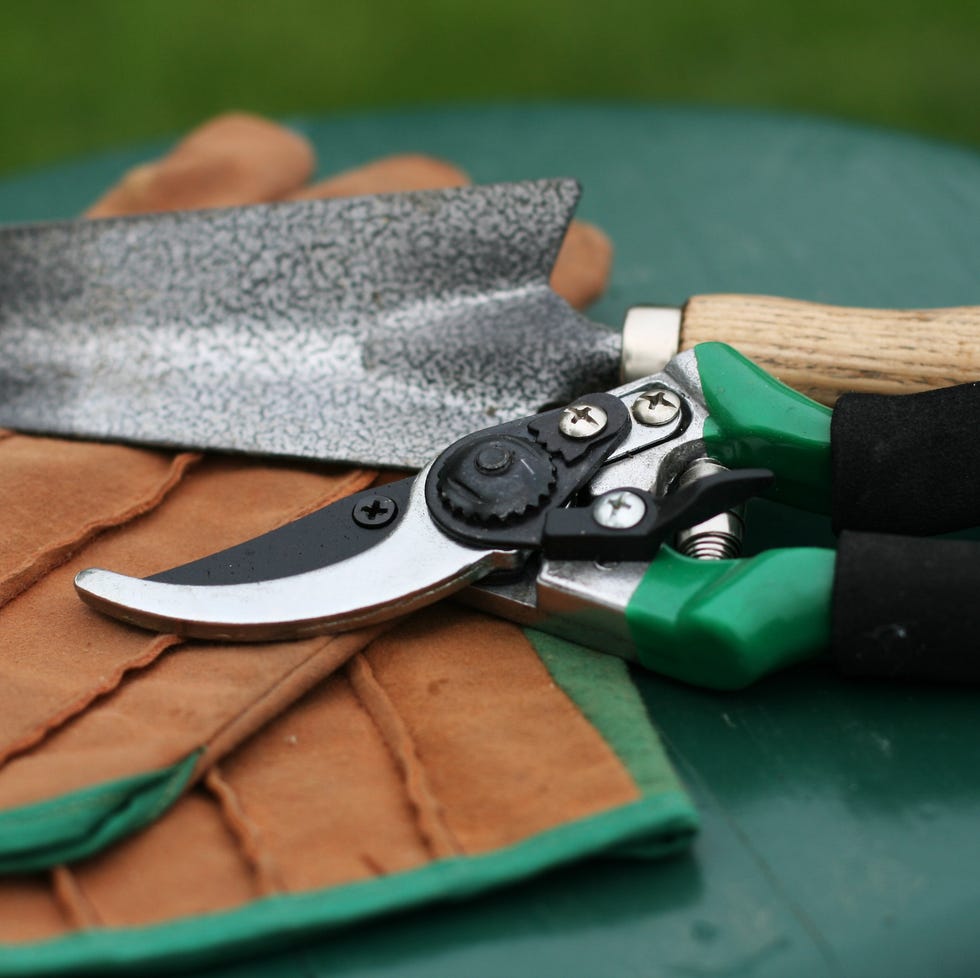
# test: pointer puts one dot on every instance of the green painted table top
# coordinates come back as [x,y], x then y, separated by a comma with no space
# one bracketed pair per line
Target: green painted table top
[840,819]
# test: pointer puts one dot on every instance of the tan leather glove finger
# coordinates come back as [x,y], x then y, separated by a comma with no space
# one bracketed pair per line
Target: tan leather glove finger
[581,273]
[388,175]
[230,160]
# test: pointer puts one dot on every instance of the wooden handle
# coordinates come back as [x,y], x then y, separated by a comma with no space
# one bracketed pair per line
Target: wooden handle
[825,351]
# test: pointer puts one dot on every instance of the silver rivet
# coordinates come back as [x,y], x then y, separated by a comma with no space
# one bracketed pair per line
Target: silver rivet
[582,421]
[618,510]
[656,407]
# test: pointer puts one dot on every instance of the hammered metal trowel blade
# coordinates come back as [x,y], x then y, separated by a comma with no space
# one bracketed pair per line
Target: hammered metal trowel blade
[373,329]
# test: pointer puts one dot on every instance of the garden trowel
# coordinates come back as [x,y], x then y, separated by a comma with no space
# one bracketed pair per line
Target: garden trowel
[373,329]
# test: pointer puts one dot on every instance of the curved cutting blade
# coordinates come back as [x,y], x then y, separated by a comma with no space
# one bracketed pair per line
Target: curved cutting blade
[414,565]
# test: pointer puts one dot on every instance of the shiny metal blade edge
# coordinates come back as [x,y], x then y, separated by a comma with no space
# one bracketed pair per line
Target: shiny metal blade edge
[413,566]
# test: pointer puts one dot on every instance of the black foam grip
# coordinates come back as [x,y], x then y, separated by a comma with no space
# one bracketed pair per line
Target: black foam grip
[906,607]
[907,463]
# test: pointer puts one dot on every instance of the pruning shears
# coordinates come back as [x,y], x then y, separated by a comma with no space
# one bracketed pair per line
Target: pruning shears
[615,520]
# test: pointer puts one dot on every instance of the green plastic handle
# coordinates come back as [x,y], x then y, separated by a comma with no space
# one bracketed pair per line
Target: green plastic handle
[723,624]
[757,422]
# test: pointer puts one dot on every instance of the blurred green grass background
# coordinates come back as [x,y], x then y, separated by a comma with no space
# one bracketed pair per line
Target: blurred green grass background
[81,75]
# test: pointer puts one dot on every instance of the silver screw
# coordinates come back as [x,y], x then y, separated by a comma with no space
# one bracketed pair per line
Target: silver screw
[582,421]
[618,510]
[656,407]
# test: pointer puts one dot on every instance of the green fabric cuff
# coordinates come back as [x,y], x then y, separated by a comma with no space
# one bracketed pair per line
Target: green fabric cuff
[80,824]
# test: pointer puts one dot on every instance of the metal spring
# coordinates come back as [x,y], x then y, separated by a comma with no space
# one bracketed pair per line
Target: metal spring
[711,546]
[718,538]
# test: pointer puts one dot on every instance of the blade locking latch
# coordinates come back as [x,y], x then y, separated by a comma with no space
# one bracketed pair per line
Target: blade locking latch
[632,524]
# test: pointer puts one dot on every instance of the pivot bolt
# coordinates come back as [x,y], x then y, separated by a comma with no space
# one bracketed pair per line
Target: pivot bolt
[494,458]
[374,511]
[582,421]
[656,407]
[619,510]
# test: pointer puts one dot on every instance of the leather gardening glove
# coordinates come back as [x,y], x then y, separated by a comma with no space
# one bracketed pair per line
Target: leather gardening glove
[298,766]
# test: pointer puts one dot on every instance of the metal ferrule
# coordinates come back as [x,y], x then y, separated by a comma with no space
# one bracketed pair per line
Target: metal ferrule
[651,338]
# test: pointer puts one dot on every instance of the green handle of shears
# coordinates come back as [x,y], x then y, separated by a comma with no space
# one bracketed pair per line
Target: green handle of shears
[757,422]
[723,624]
